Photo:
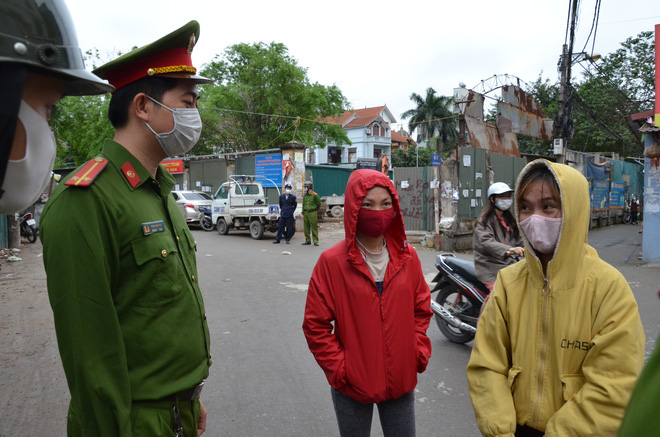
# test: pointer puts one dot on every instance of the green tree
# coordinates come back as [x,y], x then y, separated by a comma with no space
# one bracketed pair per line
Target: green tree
[432,116]
[262,97]
[412,157]
[621,84]
[546,94]
[81,126]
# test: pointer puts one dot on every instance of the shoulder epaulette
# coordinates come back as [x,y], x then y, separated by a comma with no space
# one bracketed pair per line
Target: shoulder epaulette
[86,175]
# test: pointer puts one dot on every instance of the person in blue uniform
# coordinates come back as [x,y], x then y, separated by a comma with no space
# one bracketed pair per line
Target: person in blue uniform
[120,260]
[286,224]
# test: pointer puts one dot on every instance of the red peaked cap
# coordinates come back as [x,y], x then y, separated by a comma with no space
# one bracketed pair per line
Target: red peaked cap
[170,56]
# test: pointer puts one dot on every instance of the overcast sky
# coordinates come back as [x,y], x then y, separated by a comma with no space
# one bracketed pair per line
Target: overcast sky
[376,52]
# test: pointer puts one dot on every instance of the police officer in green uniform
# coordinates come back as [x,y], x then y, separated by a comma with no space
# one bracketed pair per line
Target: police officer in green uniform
[120,260]
[40,62]
[311,204]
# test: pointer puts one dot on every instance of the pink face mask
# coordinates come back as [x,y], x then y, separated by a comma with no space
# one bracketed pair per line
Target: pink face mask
[542,232]
[374,223]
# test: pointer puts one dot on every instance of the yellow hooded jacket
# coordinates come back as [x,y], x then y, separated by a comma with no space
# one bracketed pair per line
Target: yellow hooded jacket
[561,353]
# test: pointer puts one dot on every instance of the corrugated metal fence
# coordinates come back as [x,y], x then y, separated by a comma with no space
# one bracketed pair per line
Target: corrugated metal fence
[413,185]
[474,177]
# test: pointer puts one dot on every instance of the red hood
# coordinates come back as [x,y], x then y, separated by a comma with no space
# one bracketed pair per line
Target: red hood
[360,182]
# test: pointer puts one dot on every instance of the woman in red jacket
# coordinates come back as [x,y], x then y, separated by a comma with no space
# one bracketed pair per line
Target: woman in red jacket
[367,311]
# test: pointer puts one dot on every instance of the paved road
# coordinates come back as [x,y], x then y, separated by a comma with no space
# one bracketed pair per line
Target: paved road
[264,381]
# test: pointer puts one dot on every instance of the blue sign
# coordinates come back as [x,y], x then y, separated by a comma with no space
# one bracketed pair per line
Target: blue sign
[268,169]
[599,194]
[436,160]
[617,195]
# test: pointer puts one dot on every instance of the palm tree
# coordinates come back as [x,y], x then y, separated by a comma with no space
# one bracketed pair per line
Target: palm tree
[433,116]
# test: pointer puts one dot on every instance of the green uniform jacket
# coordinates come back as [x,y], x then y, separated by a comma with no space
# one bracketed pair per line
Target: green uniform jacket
[558,352]
[641,417]
[311,202]
[128,311]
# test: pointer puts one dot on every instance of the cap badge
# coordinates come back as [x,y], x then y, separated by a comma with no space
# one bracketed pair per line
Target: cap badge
[191,44]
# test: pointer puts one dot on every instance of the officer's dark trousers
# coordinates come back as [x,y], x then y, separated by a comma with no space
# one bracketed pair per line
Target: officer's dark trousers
[285,227]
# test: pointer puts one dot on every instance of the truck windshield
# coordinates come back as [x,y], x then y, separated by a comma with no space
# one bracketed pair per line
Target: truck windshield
[247,189]
[222,192]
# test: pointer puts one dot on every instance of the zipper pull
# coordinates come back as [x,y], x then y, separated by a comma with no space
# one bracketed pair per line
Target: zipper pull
[546,285]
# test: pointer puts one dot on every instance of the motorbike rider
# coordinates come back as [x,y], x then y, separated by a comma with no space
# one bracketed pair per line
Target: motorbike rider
[496,241]
[40,62]
[560,345]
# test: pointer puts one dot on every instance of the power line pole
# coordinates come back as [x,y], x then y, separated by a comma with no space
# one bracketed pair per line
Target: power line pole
[564,122]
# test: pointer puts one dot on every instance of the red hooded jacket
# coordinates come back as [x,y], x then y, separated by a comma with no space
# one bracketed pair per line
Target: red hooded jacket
[378,343]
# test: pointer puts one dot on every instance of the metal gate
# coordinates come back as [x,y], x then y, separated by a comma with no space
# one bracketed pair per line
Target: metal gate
[207,175]
[477,169]
[415,190]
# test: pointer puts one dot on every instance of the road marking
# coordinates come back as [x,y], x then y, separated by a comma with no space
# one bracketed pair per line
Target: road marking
[296,287]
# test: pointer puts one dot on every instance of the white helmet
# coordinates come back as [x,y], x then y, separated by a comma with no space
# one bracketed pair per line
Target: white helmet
[498,188]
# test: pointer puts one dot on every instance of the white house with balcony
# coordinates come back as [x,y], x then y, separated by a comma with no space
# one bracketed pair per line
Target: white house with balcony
[370,134]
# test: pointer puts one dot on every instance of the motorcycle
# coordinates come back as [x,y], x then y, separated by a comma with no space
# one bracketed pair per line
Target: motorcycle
[626,213]
[205,220]
[28,227]
[460,298]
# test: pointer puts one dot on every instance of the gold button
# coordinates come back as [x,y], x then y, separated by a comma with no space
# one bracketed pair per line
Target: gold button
[204,316]
[164,253]
[151,72]
[193,278]
[195,244]
[177,238]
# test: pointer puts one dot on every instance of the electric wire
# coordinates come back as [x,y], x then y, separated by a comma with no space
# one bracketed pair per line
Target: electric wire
[568,21]
[594,25]
[593,42]
[603,124]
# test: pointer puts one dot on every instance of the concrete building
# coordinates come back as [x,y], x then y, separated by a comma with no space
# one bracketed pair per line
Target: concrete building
[368,130]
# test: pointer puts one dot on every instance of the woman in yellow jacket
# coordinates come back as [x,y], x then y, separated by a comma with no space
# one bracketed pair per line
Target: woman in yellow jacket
[560,343]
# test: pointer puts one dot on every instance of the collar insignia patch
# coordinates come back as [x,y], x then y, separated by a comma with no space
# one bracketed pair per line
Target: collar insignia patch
[131,174]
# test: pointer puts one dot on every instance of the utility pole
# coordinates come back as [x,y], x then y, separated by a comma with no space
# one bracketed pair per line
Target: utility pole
[564,122]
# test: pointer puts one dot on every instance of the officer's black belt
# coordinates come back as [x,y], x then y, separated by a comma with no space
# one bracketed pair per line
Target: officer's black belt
[190,394]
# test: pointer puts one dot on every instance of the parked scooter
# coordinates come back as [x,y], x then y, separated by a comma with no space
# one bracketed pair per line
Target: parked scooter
[460,297]
[28,227]
[205,220]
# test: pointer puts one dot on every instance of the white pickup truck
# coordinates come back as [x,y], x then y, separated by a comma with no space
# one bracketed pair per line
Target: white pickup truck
[241,203]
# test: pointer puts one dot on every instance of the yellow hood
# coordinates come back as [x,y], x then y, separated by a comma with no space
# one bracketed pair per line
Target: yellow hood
[572,246]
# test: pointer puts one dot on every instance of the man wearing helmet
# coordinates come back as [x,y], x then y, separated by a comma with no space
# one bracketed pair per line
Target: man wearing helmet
[40,62]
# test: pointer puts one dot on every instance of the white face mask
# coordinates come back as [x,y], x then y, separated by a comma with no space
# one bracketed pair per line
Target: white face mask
[185,133]
[542,232]
[503,204]
[26,178]
[287,191]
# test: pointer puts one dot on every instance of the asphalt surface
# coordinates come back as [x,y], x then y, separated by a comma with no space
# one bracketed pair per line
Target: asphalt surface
[264,381]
